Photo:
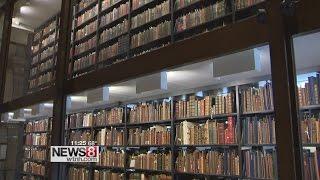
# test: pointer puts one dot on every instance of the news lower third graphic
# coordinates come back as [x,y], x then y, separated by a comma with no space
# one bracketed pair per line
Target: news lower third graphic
[74,153]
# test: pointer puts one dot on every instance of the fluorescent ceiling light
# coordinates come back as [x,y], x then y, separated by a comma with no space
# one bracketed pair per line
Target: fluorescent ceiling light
[79,98]
[27,109]
[48,104]
[26,10]
[16,21]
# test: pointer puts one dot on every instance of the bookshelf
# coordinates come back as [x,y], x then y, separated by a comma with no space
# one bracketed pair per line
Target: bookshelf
[148,130]
[42,55]
[36,148]
[113,31]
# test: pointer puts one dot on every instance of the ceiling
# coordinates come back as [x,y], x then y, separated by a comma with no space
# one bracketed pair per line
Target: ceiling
[35,12]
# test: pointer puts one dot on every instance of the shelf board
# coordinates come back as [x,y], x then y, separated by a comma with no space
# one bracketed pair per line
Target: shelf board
[84,53]
[224,146]
[109,125]
[36,161]
[311,145]
[51,44]
[84,69]
[258,145]
[133,170]
[85,23]
[150,23]
[85,38]
[112,23]
[109,9]
[88,7]
[310,107]
[108,167]
[213,117]
[36,146]
[150,123]
[211,175]
[36,132]
[203,25]
[111,41]
[41,73]
[145,7]
[266,112]
[42,86]
[151,44]
[48,34]
[80,128]
[148,146]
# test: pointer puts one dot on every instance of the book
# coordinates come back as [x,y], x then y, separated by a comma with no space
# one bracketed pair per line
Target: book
[200,16]
[151,161]
[178,4]
[212,132]
[311,163]
[149,112]
[240,4]
[151,34]
[79,120]
[309,92]
[155,135]
[215,162]
[106,175]
[87,30]
[38,139]
[114,31]
[151,14]
[87,15]
[109,117]
[137,176]
[258,130]
[36,126]
[85,135]
[84,62]
[110,158]
[78,174]
[310,128]
[115,14]
[85,3]
[139,3]
[83,47]
[109,137]
[259,163]
[256,99]
[35,168]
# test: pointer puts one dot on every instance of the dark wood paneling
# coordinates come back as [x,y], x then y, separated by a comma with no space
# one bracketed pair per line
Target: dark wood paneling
[308,15]
[35,98]
[228,39]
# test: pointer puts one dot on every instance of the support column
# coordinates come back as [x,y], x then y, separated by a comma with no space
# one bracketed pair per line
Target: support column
[282,25]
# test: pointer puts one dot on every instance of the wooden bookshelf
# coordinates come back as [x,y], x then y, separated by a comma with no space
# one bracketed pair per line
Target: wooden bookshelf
[29,148]
[173,147]
[34,83]
[129,51]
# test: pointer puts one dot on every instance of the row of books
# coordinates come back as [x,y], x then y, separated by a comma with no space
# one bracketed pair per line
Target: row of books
[108,3]
[51,38]
[151,34]
[193,107]
[91,43]
[240,4]
[38,154]
[258,130]
[87,15]
[137,176]
[88,29]
[155,135]
[100,118]
[111,159]
[209,133]
[151,161]
[151,14]
[106,174]
[259,163]
[42,67]
[149,112]
[139,3]
[115,14]
[35,168]
[257,99]
[85,3]
[178,4]
[52,26]
[36,139]
[80,136]
[225,162]
[109,52]
[35,126]
[311,163]
[78,174]
[84,62]
[35,59]
[111,136]
[200,16]
[115,31]
[309,92]
[310,129]
[43,79]
[48,52]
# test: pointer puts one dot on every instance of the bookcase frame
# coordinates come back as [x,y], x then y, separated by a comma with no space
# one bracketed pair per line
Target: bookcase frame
[173,147]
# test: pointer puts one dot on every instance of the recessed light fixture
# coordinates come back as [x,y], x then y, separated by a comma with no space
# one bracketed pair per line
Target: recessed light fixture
[26,10]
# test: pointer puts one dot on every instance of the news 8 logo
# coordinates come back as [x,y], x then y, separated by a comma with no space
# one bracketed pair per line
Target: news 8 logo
[92,151]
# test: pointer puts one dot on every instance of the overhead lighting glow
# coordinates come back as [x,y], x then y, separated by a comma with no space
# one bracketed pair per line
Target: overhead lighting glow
[15,21]
[27,110]
[79,98]
[48,104]
[26,10]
